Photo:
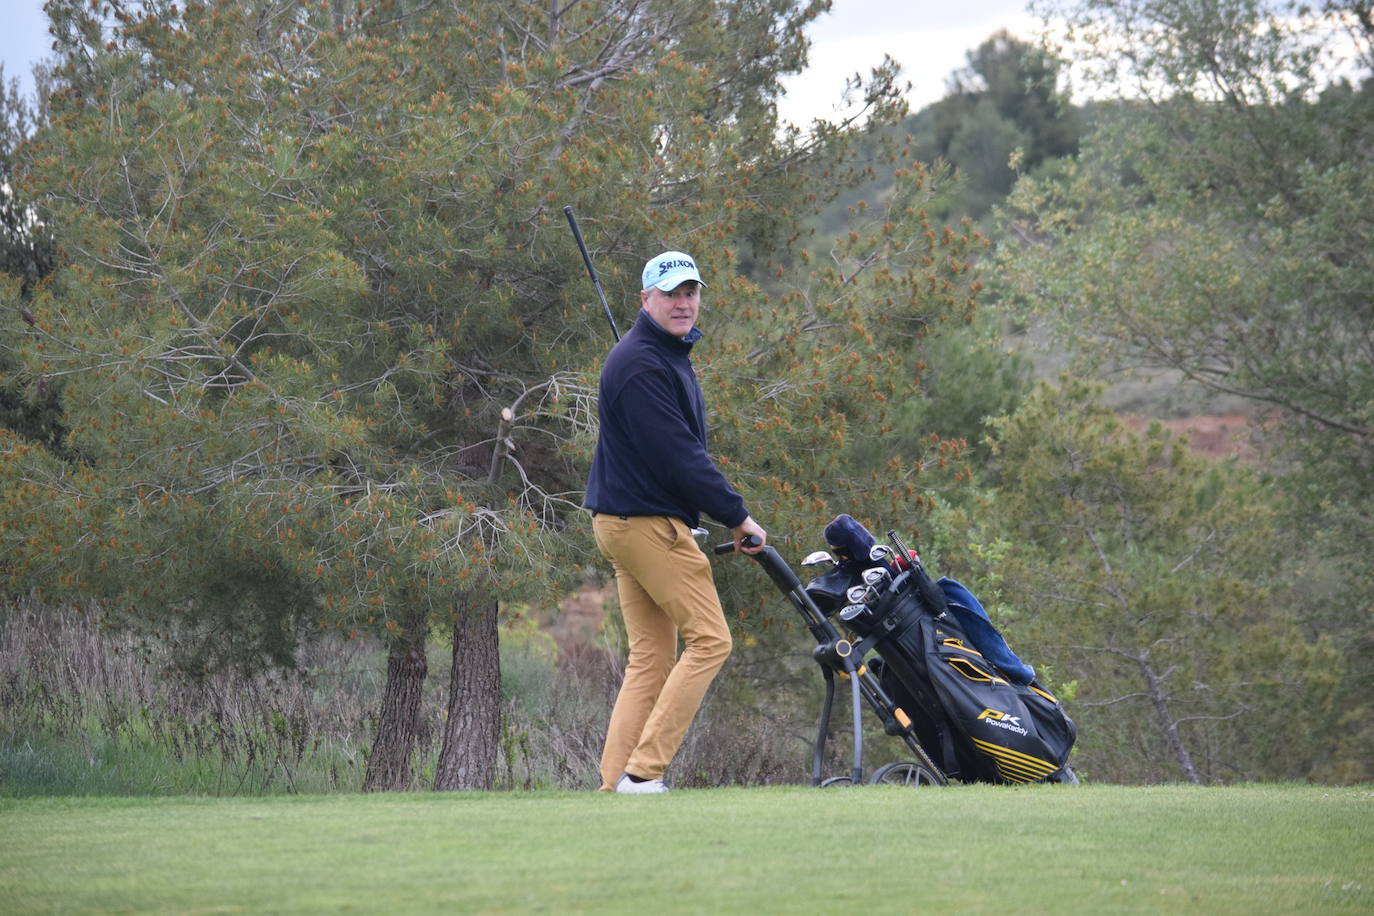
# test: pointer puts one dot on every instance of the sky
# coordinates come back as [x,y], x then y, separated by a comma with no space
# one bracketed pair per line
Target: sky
[23,39]
[930,38]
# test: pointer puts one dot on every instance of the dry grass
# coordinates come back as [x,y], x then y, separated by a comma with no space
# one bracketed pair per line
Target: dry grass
[86,710]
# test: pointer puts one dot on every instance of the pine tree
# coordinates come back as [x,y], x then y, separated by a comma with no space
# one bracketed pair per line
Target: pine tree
[327,354]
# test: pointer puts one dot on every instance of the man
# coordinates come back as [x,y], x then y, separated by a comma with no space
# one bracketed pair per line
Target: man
[651,479]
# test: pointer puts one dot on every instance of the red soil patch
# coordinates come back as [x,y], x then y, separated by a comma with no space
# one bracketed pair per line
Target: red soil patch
[1222,436]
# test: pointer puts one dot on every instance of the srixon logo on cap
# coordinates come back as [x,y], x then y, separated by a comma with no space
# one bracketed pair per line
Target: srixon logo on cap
[665,266]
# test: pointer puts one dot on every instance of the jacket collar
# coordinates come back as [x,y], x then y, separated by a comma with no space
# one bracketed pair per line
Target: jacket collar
[656,333]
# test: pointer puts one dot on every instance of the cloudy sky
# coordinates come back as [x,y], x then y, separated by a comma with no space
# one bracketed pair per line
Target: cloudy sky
[928,37]
[23,39]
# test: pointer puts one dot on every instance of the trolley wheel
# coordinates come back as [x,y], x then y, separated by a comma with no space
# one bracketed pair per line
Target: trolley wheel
[836,781]
[904,773]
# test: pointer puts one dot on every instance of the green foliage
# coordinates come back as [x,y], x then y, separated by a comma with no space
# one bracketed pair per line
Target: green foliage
[26,255]
[1154,579]
[1208,228]
[967,376]
[25,248]
[312,257]
[1007,112]
[803,379]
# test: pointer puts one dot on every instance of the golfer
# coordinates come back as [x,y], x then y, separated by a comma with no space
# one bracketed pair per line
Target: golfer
[651,479]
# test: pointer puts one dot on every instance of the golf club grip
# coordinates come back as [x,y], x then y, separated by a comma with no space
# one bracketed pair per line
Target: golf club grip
[931,593]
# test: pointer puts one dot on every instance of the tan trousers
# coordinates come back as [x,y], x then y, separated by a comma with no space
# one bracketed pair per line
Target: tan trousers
[665,587]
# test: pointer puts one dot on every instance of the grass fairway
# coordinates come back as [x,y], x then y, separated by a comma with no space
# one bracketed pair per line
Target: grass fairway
[1042,849]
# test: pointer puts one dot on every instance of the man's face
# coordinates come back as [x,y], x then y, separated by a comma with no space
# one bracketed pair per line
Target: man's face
[676,310]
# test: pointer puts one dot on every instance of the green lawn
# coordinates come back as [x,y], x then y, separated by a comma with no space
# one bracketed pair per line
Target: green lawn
[1041,849]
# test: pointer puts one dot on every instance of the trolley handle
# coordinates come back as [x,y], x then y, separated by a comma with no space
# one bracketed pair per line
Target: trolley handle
[773,564]
[729,546]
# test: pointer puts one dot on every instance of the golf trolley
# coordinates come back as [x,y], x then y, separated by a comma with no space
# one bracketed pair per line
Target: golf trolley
[836,654]
[910,649]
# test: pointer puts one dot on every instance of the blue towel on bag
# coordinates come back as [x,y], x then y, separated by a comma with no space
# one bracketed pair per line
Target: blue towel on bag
[984,636]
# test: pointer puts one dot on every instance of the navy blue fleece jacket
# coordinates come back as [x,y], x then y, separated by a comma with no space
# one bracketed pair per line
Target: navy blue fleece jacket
[651,456]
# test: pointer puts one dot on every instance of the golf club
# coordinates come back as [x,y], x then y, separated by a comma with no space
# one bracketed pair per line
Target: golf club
[858,617]
[878,577]
[591,271]
[862,594]
[881,553]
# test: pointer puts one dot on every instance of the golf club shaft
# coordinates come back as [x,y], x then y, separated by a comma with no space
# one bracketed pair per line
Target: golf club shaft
[591,271]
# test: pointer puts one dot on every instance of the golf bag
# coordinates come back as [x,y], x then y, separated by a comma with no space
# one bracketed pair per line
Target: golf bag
[928,662]
[974,722]
[974,706]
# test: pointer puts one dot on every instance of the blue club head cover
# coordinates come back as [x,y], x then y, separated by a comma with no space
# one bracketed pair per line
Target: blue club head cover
[850,542]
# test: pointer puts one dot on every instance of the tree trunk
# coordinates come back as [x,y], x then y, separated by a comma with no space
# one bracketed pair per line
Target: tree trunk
[388,767]
[472,730]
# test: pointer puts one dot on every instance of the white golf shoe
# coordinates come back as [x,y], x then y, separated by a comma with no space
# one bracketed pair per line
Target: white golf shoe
[627,786]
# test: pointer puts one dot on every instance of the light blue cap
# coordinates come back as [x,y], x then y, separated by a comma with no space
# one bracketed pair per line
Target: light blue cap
[669,270]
